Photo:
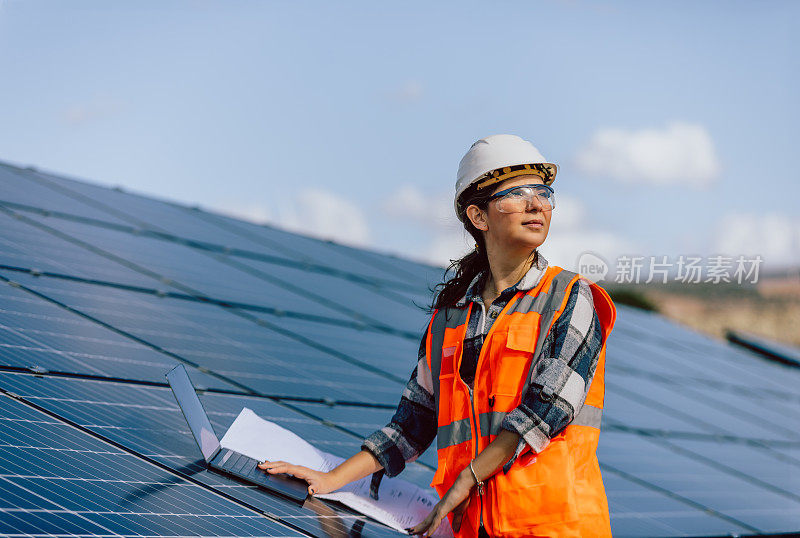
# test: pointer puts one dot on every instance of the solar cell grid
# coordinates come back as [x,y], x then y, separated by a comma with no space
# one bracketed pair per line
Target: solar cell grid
[700,354]
[223,277]
[392,354]
[23,245]
[394,310]
[148,421]
[735,388]
[336,254]
[41,335]
[264,360]
[144,415]
[188,223]
[736,495]
[641,511]
[16,188]
[762,464]
[402,294]
[720,363]
[709,410]
[630,410]
[81,485]
[190,271]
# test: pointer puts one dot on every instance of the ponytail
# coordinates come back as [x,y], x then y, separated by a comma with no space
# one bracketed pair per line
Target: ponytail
[466,268]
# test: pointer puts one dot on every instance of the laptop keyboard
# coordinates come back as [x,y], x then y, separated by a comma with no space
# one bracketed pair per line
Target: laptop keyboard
[242,466]
[246,468]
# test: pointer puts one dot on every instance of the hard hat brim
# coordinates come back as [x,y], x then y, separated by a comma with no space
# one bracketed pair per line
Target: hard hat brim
[546,171]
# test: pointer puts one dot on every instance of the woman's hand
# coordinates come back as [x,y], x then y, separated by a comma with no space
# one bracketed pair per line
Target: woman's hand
[318,482]
[455,500]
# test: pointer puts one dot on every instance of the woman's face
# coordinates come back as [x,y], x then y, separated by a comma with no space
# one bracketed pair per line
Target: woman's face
[512,231]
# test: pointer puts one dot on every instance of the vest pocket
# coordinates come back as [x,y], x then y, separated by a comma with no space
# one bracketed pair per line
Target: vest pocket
[439,475]
[522,336]
[543,491]
[515,357]
[446,396]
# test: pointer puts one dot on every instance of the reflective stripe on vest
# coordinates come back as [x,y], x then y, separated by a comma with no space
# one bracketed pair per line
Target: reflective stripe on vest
[443,319]
[459,431]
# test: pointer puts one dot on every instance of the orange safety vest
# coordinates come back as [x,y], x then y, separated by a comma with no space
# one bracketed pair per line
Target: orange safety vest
[557,492]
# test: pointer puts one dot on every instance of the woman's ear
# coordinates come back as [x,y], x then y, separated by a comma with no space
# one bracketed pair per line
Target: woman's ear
[477,217]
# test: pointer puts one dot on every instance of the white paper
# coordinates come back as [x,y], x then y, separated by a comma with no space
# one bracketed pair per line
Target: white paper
[401,504]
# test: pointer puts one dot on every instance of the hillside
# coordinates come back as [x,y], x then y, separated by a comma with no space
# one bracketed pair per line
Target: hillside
[770,308]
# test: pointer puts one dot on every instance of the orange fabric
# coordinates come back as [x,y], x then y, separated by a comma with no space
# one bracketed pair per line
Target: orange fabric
[558,492]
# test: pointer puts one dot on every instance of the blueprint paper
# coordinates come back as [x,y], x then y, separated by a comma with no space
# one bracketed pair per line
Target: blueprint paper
[401,505]
[261,439]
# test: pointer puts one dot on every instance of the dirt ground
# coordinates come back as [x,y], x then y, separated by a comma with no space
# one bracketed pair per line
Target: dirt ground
[770,308]
[777,318]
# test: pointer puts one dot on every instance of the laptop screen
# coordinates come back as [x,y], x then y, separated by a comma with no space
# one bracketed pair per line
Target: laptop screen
[193,411]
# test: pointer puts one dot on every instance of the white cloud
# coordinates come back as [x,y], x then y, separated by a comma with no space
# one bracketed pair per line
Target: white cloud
[249,211]
[571,234]
[410,91]
[775,237]
[99,107]
[325,215]
[564,247]
[408,202]
[448,245]
[570,213]
[680,152]
[433,215]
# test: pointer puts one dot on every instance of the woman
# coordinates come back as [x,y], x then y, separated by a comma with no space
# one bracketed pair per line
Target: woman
[510,372]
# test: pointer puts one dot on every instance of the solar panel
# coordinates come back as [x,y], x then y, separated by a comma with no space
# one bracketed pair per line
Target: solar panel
[254,356]
[147,420]
[41,336]
[714,411]
[19,192]
[731,496]
[112,289]
[76,198]
[154,214]
[767,348]
[25,246]
[718,365]
[180,268]
[641,509]
[360,420]
[58,480]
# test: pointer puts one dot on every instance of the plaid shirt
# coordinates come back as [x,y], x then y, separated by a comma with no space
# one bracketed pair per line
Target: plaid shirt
[571,346]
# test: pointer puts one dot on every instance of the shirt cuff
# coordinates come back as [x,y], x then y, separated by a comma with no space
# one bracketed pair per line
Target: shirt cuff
[386,452]
[533,431]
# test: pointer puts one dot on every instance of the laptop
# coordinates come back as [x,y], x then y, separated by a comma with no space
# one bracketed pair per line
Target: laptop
[224,460]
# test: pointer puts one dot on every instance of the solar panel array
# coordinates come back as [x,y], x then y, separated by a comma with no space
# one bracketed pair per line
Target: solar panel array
[103,291]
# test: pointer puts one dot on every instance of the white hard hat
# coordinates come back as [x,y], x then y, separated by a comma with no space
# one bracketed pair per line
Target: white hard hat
[498,157]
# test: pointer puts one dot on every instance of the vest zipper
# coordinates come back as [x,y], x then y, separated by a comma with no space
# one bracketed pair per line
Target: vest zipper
[477,369]
[477,436]
[472,401]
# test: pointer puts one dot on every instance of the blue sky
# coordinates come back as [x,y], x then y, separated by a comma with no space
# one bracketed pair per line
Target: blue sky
[674,123]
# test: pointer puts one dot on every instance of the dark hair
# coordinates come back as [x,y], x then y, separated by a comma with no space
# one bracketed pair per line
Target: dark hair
[471,264]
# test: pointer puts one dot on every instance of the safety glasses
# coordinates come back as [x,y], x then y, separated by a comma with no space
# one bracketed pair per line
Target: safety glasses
[518,199]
